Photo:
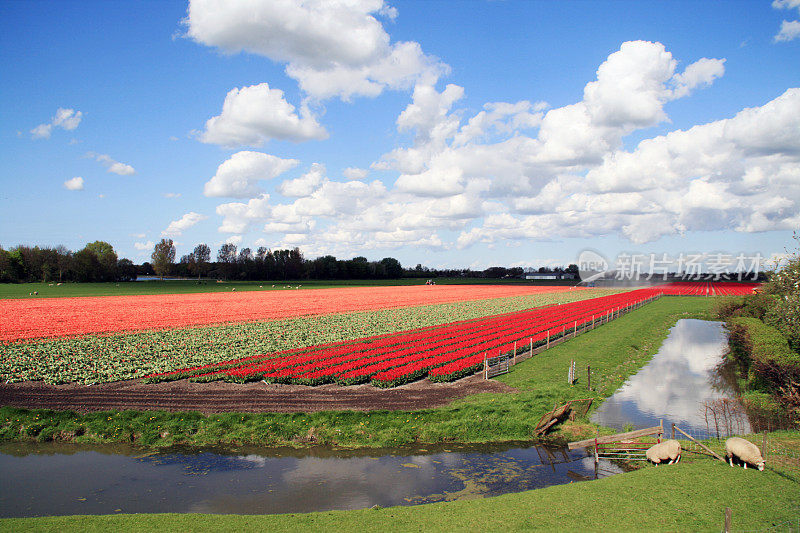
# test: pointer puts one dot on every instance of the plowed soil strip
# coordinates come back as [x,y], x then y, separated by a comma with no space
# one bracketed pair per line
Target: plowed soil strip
[249,398]
[62,317]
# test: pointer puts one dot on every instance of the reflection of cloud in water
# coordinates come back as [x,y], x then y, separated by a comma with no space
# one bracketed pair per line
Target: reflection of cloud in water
[675,384]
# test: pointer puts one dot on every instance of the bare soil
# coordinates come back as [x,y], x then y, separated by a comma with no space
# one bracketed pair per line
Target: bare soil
[220,397]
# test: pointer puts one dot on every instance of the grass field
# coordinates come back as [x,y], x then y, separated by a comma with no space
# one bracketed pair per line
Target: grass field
[185,286]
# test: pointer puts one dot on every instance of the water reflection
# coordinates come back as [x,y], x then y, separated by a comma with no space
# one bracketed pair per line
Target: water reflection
[51,479]
[682,378]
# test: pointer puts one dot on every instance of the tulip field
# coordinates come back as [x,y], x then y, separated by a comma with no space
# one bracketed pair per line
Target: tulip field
[444,353]
[693,288]
[61,317]
[311,339]
[102,356]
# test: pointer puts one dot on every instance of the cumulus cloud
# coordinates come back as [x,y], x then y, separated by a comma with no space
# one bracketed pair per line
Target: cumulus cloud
[790,30]
[253,115]
[66,119]
[305,184]
[354,173]
[332,49]
[177,227]
[115,167]
[144,246]
[74,184]
[516,172]
[238,176]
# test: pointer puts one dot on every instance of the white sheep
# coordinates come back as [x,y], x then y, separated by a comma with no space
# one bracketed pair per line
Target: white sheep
[744,450]
[669,449]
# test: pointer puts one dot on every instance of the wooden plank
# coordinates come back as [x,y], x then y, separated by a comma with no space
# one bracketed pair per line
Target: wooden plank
[706,448]
[619,436]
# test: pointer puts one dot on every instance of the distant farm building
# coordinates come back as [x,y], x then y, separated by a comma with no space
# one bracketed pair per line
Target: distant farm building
[550,275]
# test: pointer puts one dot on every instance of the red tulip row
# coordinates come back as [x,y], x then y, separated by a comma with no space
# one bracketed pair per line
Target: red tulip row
[445,352]
[698,288]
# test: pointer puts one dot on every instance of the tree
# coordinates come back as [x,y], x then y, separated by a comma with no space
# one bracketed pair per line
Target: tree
[393,267]
[201,255]
[227,259]
[126,270]
[784,313]
[163,257]
[107,258]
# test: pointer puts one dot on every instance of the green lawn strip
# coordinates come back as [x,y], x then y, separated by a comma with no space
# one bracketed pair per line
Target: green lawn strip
[115,357]
[683,497]
[614,350]
[186,286]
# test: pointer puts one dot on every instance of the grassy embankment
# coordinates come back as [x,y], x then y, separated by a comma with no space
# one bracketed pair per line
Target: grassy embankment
[187,286]
[614,351]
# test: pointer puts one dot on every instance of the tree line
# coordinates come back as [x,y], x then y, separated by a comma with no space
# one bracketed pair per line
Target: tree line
[98,262]
[265,264]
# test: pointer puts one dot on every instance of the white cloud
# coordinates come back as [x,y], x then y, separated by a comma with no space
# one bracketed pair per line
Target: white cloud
[699,73]
[305,184]
[42,131]
[518,172]
[177,227]
[172,195]
[786,4]
[252,115]
[238,176]
[790,30]
[143,246]
[234,239]
[111,165]
[66,119]
[74,184]
[353,173]
[330,48]
[238,217]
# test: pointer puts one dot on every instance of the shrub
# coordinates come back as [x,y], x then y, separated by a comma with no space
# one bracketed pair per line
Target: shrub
[762,348]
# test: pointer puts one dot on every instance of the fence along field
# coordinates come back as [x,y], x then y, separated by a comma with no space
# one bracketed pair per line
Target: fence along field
[441,353]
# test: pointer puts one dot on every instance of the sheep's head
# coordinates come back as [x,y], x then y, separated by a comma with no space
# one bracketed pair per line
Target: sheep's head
[761,466]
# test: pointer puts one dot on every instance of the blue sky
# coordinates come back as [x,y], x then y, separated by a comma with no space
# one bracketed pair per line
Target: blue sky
[443,133]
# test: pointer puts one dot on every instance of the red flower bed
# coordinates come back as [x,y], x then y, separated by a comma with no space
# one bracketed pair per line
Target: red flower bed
[703,288]
[444,352]
[60,317]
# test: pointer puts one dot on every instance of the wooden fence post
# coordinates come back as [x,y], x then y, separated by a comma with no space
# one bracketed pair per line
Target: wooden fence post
[548,340]
[764,447]
[485,367]
[588,377]
[673,430]
[728,517]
